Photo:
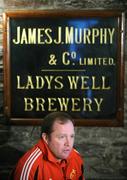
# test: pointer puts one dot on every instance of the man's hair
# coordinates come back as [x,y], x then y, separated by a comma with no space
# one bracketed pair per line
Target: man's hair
[50,119]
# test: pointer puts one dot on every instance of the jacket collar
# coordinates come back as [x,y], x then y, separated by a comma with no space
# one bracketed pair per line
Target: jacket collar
[47,154]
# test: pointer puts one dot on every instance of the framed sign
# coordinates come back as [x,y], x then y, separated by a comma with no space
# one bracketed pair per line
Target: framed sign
[69,61]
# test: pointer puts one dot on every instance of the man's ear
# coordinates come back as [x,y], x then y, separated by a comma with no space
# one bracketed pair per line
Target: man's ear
[45,137]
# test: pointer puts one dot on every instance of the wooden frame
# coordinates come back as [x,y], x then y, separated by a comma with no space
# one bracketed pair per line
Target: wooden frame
[68,61]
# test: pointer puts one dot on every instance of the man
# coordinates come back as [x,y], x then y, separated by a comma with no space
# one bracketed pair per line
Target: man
[53,157]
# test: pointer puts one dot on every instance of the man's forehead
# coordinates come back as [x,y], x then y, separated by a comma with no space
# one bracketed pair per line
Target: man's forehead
[60,124]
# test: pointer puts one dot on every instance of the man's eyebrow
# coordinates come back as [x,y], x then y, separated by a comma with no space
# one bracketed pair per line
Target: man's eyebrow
[64,133]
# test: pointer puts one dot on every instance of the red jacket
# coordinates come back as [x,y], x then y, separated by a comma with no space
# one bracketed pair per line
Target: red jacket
[40,164]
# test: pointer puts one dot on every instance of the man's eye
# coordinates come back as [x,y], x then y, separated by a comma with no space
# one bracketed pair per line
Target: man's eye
[61,137]
[72,136]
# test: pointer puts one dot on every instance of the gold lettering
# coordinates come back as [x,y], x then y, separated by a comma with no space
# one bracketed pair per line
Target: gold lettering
[65,61]
[51,104]
[40,36]
[48,34]
[87,104]
[98,102]
[69,35]
[63,103]
[63,35]
[75,104]
[59,83]
[87,34]
[94,85]
[17,40]
[58,40]
[78,35]
[103,36]
[95,34]
[39,82]
[28,104]
[29,84]
[24,37]
[49,81]
[19,83]
[73,82]
[40,104]
[104,84]
[32,35]
[111,34]
[84,82]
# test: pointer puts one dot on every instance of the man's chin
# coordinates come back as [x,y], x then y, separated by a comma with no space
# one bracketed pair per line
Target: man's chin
[65,156]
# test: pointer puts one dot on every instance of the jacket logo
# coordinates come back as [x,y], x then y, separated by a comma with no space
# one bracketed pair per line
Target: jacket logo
[72,174]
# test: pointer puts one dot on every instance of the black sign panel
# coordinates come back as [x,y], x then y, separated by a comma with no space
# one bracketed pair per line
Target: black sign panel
[64,61]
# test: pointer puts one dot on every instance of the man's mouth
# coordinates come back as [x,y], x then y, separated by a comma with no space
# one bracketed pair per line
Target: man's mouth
[67,150]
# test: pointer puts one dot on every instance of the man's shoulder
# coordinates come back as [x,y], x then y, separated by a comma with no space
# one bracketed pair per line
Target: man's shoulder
[76,159]
[76,154]
[32,155]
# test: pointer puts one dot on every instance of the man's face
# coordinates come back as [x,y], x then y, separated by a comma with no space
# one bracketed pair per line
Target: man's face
[61,139]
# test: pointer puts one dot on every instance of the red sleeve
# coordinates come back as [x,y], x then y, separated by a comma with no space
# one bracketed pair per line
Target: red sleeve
[28,166]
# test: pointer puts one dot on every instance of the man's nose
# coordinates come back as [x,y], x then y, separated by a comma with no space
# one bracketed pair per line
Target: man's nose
[67,141]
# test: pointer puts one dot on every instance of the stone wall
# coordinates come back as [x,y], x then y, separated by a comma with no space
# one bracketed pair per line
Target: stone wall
[104,148]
